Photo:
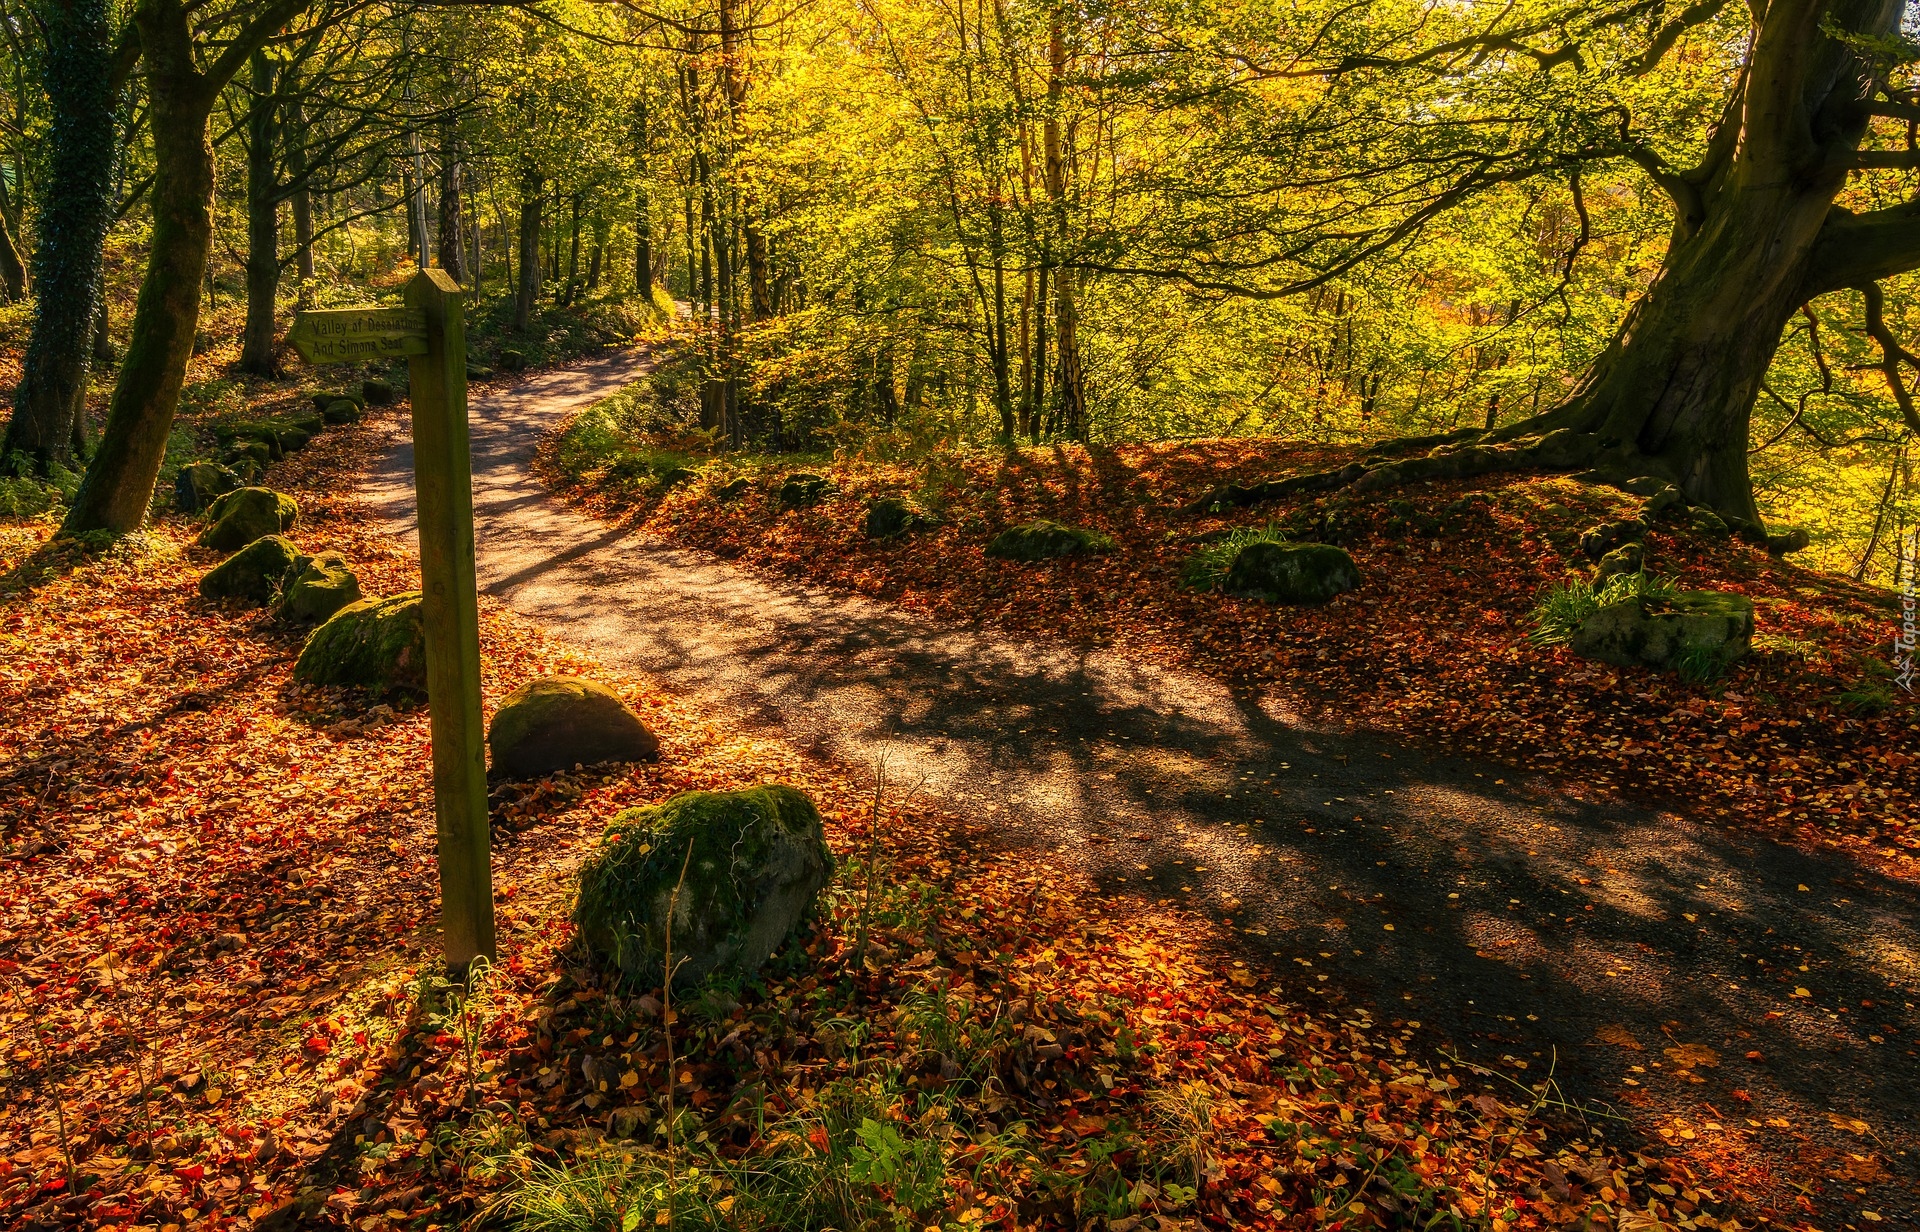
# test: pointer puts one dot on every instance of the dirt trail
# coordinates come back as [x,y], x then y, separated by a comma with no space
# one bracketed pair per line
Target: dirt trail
[1511,921]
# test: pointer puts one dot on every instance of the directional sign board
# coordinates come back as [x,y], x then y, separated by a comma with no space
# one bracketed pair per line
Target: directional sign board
[349,335]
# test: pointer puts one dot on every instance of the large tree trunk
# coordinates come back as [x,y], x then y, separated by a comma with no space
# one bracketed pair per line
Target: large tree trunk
[13,272]
[119,483]
[453,251]
[263,223]
[532,191]
[82,148]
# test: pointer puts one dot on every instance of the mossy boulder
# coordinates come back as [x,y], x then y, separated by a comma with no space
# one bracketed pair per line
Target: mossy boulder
[1707,522]
[293,439]
[759,860]
[1627,558]
[245,514]
[380,644]
[241,435]
[1290,572]
[309,422]
[557,722]
[1044,540]
[343,411]
[733,490]
[255,573]
[198,484]
[512,360]
[799,490]
[1597,541]
[1701,631]
[1789,539]
[479,372]
[376,391]
[891,517]
[317,587]
[322,399]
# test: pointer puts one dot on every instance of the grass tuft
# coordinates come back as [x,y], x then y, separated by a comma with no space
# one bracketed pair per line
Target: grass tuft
[1207,568]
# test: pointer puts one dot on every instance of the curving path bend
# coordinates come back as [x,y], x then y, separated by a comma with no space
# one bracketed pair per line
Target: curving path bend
[1515,923]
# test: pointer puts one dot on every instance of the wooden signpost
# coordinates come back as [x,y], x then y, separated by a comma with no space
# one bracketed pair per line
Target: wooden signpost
[431,333]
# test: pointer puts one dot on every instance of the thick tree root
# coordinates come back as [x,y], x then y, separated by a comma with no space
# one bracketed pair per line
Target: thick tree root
[1462,455]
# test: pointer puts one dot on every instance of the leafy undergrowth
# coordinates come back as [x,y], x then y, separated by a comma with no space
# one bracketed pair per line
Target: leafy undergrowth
[1808,738]
[222,1007]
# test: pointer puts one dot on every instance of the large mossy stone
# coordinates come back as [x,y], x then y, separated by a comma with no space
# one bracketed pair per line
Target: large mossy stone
[890,517]
[759,859]
[342,411]
[255,573]
[376,391]
[380,644]
[245,514]
[198,484]
[799,490]
[1290,572]
[1694,623]
[1044,540]
[557,722]
[317,587]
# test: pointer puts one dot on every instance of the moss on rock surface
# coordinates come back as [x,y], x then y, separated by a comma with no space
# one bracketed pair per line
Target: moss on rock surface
[1290,572]
[1699,631]
[342,411]
[799,490]
[890,517]
[318,586]
[556,722]
[378,643]
[255,573]
[1044,540]
[241,516]
[759,860]
[198,484]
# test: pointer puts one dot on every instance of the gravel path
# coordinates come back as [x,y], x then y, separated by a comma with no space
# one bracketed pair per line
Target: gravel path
[1516,924]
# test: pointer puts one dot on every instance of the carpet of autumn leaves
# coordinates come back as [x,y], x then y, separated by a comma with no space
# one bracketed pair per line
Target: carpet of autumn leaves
[221,1007]
[1433,642]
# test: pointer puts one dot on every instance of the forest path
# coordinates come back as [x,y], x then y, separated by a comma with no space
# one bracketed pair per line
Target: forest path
[1510,920]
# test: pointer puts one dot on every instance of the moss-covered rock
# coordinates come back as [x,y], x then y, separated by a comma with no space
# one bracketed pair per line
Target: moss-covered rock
[317,587]
[1700,631]
[799,490]
[245,514]
[255,573]
[1707,522]
[376,391]
[322,399]
[1597,541]
[239,435]
[890,517]
[309,422]
[733,490]
[512,360]
[557,722]
[758,861]
[1044,540]
[343,411]
[1290,572]
[1627,558]
[293,439]
[378,643]
[1789,539]
[198,484]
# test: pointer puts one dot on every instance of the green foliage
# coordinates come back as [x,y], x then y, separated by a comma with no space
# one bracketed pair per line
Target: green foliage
[25,494]
[1561,608]
[1871,691]
[1207,567]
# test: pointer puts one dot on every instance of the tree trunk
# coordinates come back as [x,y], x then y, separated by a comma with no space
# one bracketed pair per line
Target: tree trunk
[643,248]
[532,193]
[302,202]
[118,486]
[82,148]
[13,272]
[453,250]
[263,223]
[1069,411]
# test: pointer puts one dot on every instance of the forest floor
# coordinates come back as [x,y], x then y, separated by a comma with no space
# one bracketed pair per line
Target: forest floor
[222,1007]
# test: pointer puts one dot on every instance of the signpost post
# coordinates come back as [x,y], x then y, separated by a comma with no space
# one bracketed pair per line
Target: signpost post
[431,334]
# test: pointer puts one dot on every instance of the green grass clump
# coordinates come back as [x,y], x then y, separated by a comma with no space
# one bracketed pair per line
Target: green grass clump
[1562,608]
[1207,568]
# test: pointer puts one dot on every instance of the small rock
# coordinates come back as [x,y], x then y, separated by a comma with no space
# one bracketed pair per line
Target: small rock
[293,439]
[758,861]
[246,514]
[255,573]
[1044,540]
[799,490]
[479,372]
[890,517]
[556,722]
[198,484]
[376,391]
[377,643]
[512,360]
[1291,572]
[733,489]
[1627,558]
[343,411]
[317,587]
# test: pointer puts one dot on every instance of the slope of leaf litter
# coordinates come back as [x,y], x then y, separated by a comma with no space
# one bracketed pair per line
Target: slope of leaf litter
[223,914]
[1806,739]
